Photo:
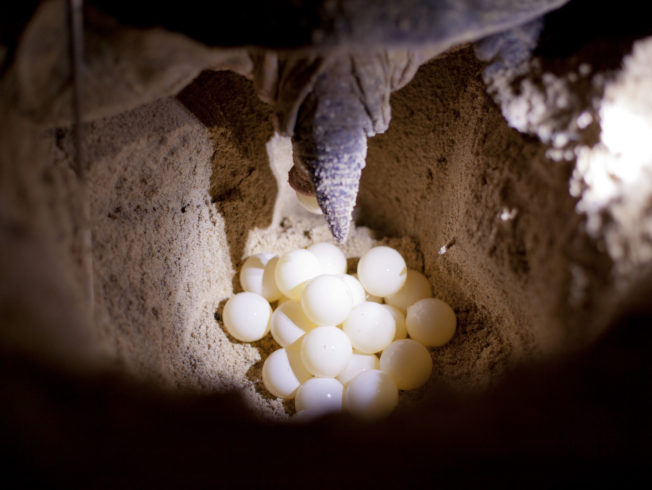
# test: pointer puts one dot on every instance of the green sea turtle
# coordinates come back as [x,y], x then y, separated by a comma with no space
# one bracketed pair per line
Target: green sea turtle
[331,98]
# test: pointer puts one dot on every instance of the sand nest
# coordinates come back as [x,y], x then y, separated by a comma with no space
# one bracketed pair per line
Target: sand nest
[519,240]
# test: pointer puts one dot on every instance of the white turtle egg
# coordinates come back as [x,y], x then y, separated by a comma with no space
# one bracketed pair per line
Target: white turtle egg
[247,316]
[289,323]
[325,351]
[399,318]
[370,326]
[371,395]
[327,300]
[408,363]
[283,371]
[431,322]
[331,258]
[357,291]
[416,287]
[271,292]
[382,271]
[309,203]
[359,363]
[257,276]
[294,270]
[367,296]
[251,273]
[319,394]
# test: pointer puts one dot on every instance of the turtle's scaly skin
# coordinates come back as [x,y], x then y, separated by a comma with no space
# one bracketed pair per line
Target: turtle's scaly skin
[348,102]
[330,142]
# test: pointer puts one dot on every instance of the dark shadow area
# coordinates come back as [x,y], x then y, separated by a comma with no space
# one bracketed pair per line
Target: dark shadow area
[583,420]
[592,25]
[15,16]
[243,187]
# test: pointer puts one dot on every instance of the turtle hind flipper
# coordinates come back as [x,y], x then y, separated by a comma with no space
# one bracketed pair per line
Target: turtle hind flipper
[336,185]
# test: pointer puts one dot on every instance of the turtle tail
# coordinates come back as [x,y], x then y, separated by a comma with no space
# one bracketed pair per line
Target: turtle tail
[330,146]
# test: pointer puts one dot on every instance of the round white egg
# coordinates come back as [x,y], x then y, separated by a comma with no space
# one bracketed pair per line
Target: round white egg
[370,326]
[416,287]
[382,271]
[408,363]
[294,270]
[319,394]
[271,292]
[431,322]
[359,363]
[327,300]
[289,323]
[399,319]
[247,316]
[357,291]
[366,296]
[325,351]
[331,258]
[251,273]
[283,372]
[309,203]
[371,395]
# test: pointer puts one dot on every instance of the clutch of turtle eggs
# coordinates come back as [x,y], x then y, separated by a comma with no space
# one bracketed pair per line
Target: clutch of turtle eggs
[332,326]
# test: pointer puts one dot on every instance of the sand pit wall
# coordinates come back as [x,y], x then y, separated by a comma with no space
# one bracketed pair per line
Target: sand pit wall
[182,189]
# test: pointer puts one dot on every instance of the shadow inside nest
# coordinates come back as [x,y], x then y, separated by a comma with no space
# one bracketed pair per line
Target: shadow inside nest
[243,188]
